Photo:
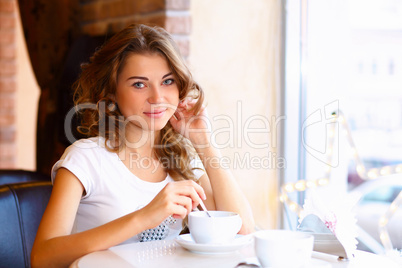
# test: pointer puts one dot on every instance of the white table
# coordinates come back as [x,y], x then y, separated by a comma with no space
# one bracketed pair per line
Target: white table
[165,254]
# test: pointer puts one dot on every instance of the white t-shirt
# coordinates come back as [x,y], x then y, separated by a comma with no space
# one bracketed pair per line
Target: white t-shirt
[111,189]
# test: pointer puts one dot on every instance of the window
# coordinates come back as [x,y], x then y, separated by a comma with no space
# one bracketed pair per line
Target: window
[343,57]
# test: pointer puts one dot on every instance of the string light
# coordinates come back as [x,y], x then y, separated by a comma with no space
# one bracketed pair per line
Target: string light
[328,169]
[311,184]
[360,169]
[365,174]
[398,169]
[393,207]
[322,181]
[300,185]
[384,220]
[385,240]
[289,187]
[283,197]
[354,152]
[293,206]
[372,173]
[385,171]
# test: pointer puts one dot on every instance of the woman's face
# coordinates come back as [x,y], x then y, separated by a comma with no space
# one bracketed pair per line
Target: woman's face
[147,93]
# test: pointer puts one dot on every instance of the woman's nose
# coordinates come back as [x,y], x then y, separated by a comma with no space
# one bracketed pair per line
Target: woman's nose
[156,95]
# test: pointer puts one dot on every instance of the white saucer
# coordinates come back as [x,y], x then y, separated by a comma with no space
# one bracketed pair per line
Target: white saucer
[313,263]
[187,242]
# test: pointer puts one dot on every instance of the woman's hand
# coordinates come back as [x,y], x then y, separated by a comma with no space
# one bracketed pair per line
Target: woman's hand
[195,127]
[177,198]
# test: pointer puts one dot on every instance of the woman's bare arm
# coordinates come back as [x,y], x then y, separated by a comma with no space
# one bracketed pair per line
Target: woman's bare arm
[226,193]
[222,190]
[55,246]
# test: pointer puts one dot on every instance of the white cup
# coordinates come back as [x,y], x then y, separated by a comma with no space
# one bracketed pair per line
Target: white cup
[221,228]
[283,248]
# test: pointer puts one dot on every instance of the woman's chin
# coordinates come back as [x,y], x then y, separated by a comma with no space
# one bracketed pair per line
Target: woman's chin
[156,126]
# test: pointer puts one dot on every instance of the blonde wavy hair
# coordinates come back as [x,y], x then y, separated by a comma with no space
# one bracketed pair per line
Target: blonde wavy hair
[97,85]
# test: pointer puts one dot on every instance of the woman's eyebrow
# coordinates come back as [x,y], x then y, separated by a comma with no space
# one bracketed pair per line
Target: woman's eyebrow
[146,78]
[138,77]
[166,75]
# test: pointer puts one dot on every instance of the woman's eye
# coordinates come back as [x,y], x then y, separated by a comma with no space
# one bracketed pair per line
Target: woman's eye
[168,82]
[139,85]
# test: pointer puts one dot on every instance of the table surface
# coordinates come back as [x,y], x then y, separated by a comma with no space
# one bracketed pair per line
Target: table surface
[167,253]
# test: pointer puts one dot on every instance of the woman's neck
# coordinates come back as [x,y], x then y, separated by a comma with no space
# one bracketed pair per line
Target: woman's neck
[139,141]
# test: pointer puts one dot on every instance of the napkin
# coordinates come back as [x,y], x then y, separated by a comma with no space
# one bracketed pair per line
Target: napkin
[332,224]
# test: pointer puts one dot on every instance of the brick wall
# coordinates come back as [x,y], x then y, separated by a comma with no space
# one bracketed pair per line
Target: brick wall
[8,85]
[51,27]
[107,17]
[178,23]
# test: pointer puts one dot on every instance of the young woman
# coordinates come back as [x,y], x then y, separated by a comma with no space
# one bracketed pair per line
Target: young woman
[138,175]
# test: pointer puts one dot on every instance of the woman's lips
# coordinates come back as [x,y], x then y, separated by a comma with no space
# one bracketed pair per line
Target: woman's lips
[156,114]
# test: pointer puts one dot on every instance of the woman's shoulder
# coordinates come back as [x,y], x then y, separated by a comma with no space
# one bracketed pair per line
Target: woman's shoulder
[82,156]
[83,148]
[94,144]
[89,143]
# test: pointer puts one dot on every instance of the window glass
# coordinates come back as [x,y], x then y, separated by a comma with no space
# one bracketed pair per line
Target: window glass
[350,63]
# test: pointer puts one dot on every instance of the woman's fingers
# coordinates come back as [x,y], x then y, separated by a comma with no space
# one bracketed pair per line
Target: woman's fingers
[189,190]
[179,113]
[180,212]
[184,202]
[193,196]
[177,199]
[187,103]
[195,190]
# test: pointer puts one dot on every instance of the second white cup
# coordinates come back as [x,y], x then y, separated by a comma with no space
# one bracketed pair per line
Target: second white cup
[283,248]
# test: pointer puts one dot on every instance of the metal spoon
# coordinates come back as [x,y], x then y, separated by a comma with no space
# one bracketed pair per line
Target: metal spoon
[204,208]
[246,264]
